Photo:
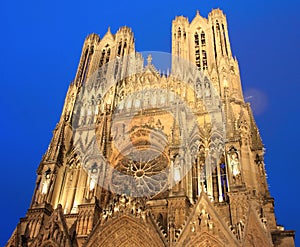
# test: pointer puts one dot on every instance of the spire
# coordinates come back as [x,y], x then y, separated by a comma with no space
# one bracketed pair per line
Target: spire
[108,34]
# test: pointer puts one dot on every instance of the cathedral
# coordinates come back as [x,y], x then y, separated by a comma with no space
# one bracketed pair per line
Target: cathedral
[144,156]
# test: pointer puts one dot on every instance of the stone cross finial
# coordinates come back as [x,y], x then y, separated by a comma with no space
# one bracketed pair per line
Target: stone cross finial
[149,59]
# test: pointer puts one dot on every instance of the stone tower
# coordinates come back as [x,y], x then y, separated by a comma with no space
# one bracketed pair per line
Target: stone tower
[145,158]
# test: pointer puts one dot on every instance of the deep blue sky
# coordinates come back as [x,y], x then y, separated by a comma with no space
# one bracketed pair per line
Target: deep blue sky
[40,47]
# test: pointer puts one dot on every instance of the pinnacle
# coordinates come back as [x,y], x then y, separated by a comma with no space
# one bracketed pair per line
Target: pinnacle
[108,30]
[149,59]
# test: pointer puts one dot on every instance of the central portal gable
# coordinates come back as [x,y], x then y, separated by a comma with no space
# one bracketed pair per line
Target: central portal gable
[205,227]
[125,231]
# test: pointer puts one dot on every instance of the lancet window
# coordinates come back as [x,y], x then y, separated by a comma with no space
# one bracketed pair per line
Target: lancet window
[224,36]
[86,63]
[197,51]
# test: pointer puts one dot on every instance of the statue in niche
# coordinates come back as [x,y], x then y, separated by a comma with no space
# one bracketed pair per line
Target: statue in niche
[204,219]
[198,88]
[177,168]
[151,122]
[137,102]
[99,99]
[159,125]
[162,97]
[146,99]
[92,184]
[235,164]
[45,186]
[201,154]
[207,89]
[121,95]
[91,120]
[193,227]
[194,153]
[200,216]
[92,102]
[92,181]
[46,182]
[244,130]
[128,103]
[120,105]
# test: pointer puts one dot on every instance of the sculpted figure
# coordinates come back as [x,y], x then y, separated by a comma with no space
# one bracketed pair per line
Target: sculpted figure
[235,164]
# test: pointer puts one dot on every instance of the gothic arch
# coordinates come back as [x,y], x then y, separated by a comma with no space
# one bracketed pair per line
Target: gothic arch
[124,231]
[205,240]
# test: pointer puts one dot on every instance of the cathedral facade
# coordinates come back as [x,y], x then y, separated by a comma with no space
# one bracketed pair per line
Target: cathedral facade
[143,157]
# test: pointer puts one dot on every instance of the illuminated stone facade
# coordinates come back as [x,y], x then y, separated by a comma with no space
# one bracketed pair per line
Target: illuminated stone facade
[194,200]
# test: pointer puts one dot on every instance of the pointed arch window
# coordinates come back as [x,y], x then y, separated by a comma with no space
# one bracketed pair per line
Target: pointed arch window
[203,41]
[107,55]
[219,36]
[214,39]
[102,58]
[179,32]
[124,48]
[204,60]
[224,184]
[119,48]
[220,181]
[197,51]
[87,63]
[196,39]
[224,36]
[83,63]
[217,26]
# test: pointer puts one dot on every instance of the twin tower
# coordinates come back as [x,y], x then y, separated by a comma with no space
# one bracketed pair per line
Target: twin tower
[145,158]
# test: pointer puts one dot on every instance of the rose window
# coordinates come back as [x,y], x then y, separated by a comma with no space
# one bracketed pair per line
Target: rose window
[143,173]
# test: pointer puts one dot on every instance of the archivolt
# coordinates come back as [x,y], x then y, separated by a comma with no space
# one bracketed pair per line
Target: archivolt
[125,231]
[205,240]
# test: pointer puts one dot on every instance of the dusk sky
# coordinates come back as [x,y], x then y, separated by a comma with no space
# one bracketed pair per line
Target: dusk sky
[41,44]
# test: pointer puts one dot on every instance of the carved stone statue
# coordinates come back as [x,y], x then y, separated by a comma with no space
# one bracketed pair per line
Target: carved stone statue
[235,164]
[177,169]
[207,90]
